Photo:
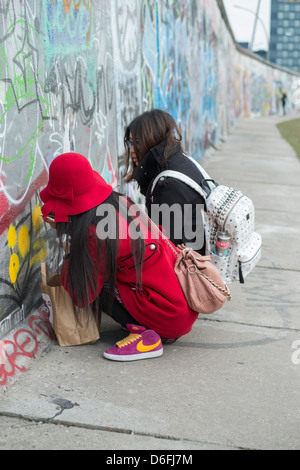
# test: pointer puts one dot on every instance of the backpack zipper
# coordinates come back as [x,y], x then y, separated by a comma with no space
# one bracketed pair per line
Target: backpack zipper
[248,260]
[224,223]
[241,276]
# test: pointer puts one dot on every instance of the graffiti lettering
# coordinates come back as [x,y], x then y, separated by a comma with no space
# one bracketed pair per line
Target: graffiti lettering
[24,345]
[23,104]
[77,4]
[74,93]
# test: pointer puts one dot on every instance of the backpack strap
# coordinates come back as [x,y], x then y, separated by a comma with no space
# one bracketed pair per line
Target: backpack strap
[207,180]
[181,177]
[210,183]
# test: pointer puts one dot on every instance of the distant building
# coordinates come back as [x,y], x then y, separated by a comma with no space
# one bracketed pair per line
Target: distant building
[245,45]
[285,33]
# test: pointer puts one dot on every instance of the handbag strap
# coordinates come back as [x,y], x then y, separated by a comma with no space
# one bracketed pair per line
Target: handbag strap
[224,290]
[162,235]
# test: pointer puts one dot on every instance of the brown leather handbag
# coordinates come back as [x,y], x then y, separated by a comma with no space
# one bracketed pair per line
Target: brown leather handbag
[200,280]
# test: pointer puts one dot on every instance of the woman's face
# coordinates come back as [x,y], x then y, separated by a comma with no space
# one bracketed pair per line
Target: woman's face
[132,151]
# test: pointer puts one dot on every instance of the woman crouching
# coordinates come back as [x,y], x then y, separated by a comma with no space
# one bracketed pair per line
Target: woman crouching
[117,261]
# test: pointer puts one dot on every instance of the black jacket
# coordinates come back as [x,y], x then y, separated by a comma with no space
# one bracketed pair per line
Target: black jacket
[187,221]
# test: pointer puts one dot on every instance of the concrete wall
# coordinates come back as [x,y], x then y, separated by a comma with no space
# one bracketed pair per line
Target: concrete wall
[74,73]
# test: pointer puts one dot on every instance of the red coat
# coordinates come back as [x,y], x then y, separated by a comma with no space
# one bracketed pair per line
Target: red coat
[161,305]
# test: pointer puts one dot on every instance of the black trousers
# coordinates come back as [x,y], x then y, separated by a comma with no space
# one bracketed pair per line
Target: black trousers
[117,312]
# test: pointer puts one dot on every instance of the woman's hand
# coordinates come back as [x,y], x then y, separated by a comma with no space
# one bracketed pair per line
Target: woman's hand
[50,221]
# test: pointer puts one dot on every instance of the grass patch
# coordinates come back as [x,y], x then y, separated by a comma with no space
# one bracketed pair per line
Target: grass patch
[290,131]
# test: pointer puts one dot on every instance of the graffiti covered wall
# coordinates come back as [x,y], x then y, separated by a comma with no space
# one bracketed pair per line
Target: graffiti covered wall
[73,73]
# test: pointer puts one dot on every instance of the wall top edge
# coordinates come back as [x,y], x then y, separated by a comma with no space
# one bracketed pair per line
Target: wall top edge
[249,53]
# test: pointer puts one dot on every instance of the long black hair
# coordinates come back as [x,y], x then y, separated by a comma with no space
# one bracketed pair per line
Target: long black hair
[82,271]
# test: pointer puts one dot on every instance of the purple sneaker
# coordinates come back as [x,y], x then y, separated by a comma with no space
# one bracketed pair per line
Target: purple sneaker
[140,344]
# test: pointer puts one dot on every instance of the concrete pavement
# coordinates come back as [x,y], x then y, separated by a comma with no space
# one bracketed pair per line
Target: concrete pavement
[232,383]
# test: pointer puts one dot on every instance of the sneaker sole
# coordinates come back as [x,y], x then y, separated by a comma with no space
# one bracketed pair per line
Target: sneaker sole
[133,357]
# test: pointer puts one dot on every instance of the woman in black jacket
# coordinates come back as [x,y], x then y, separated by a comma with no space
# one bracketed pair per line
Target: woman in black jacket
[153,143]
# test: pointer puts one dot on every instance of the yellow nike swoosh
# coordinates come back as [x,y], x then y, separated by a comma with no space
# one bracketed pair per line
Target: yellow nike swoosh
[142,348]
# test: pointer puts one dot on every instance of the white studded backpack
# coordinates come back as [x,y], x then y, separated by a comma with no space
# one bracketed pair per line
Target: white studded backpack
[227,210]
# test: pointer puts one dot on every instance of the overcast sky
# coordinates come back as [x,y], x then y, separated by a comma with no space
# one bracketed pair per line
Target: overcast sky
[242,20]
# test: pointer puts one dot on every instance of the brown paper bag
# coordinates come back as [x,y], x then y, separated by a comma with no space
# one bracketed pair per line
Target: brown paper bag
[69,331]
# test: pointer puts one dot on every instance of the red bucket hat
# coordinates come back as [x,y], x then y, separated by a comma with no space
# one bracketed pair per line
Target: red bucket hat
[73,187]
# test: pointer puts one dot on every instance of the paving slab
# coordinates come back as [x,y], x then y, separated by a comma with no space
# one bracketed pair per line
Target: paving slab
[21,433]
[280,231]
[269,297]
